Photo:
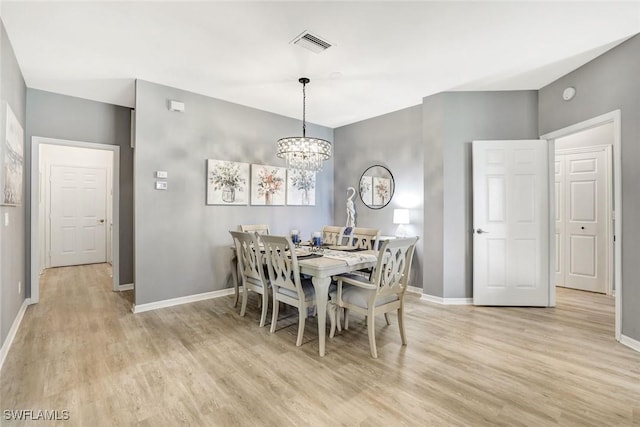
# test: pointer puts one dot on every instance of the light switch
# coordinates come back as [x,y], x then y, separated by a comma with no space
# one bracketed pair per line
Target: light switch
[161,174]
[6,219]
[161,185]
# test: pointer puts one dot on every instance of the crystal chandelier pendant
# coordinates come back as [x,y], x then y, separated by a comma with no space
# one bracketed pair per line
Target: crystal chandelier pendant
[304,153]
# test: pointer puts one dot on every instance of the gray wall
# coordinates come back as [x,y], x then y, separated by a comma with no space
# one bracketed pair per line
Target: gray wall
[65,117]
[464,117]
[433,127]
[183,245]
[393,140]
[608,83]
[12,238]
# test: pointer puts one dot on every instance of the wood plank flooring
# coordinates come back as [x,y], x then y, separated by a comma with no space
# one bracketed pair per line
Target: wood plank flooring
[81,349]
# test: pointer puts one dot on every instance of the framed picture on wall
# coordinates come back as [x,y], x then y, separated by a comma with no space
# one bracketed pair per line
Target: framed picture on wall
[12,157]
[227,182]
[301,187]
[268,185]
[381,191]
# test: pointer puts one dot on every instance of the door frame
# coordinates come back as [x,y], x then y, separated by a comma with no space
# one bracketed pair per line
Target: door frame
[613,117]
[607,148]
[36,141]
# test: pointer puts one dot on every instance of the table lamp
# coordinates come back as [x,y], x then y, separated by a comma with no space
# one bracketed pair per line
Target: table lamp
[401,217]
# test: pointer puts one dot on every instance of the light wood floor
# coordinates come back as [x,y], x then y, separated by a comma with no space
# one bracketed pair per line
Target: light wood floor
[81,349]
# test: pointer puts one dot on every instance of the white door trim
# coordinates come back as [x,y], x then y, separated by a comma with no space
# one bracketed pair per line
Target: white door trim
[615,118]
[36,141]
[609,203]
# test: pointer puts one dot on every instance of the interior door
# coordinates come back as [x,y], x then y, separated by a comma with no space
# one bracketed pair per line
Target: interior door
[586,210]
[77,215]
[511,223]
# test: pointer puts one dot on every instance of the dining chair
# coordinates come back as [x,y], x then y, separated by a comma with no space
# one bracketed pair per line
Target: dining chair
[251,270]
[382,293]
[364,238]
[247,228]
[255,228]
[287,285]
[332,235]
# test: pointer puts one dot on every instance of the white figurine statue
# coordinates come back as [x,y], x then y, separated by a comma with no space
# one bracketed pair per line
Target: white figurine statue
[351,209]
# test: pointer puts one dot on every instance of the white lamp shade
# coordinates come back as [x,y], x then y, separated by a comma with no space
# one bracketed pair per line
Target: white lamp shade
[401,216]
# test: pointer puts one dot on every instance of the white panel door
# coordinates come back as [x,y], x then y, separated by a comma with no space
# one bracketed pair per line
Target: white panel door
[586,189]
[511,223]
[77,215]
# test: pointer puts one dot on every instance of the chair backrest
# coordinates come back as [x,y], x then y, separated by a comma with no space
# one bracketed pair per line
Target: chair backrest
[282,263]
[392,271]
[255,228]
[332,235]
[249,257]
[365,238]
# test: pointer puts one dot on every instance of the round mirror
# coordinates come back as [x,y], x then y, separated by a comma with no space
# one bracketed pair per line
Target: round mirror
[376,187]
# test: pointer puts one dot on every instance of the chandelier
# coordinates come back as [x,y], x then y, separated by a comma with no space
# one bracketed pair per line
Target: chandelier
[302,152]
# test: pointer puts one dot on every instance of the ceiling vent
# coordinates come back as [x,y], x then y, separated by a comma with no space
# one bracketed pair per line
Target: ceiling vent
[312,42]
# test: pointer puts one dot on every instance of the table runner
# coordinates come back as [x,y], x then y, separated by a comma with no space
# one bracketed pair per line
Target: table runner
[351,258]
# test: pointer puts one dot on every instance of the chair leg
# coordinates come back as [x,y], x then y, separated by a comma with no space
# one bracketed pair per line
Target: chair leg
[234,277]
[403,336]
[332,310]
[386,317]
[372,335]
[265,307]
[274,316]
[245,295]
[338,321]
[302,314]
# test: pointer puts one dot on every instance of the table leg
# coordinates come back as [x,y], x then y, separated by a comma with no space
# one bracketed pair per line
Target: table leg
[321,286]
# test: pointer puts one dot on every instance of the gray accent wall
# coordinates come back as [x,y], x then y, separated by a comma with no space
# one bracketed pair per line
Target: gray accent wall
[183,246]
[58,116]
[609,82]
[393,140]
[433,127]
[452,120]
[12,237]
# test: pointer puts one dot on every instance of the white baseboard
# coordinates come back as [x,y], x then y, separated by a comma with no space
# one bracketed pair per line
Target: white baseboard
[125,287]
[447,301]
[181,300]
[630,342]
[13,331]
[414,289]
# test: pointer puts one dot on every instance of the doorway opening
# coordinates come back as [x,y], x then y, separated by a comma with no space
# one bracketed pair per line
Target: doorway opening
[587,235]
[74,207]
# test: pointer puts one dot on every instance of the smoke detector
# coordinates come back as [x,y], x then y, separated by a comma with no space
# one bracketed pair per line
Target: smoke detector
[311,42]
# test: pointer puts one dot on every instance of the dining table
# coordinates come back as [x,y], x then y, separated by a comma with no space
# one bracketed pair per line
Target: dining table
[321,264]
[332,262]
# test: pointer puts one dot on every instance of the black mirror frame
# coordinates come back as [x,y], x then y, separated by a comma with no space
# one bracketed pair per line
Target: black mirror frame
[393,181]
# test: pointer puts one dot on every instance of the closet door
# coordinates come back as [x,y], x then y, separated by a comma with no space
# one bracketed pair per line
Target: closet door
[586,225]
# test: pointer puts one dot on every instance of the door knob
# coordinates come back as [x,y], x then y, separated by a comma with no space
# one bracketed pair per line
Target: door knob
[480,231]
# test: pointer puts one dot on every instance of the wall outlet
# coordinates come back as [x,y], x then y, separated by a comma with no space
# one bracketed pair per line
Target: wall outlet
[19,287]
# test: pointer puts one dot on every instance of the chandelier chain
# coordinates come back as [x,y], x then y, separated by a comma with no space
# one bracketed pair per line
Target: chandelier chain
[304,109]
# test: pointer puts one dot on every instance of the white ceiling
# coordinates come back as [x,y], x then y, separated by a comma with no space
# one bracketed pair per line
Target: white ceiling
[387,55]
